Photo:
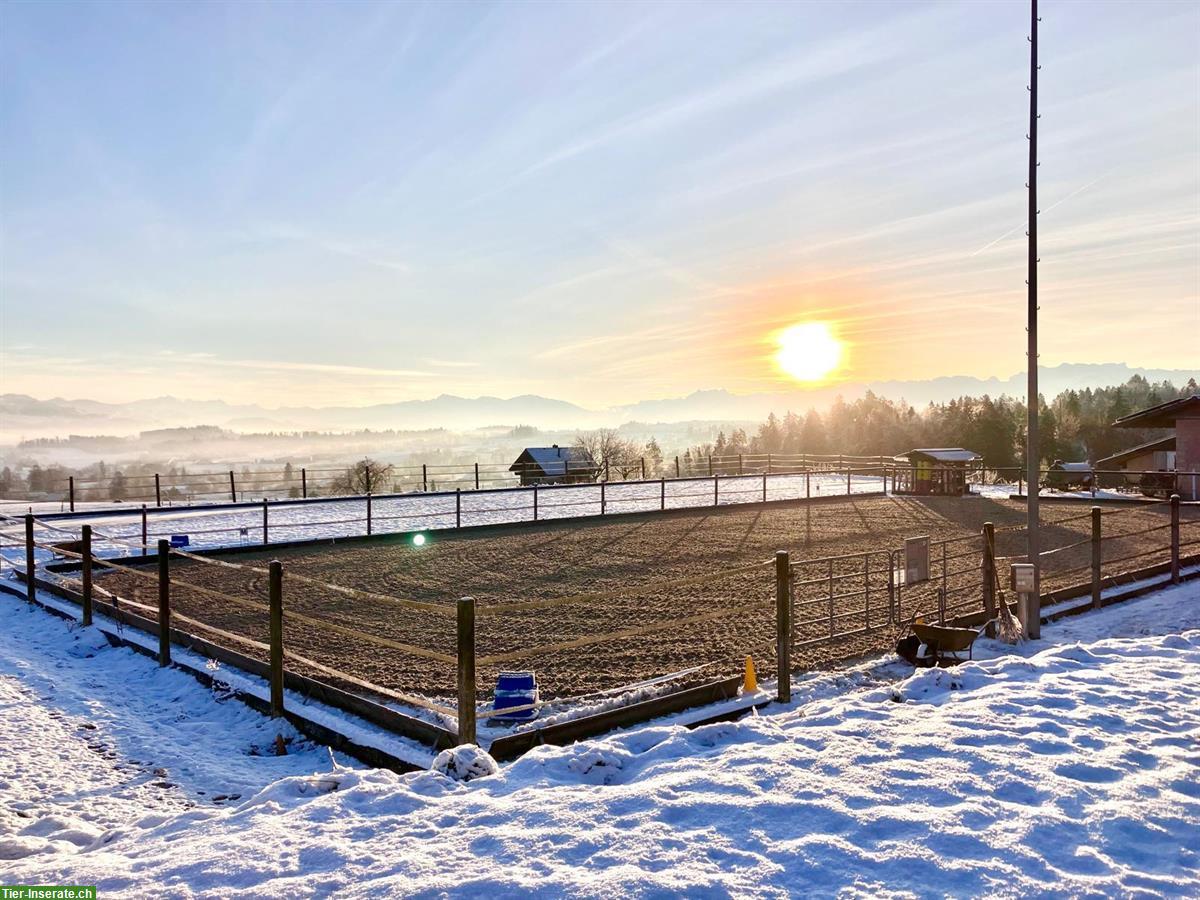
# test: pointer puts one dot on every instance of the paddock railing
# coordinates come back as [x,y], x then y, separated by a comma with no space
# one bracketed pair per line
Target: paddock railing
[289,626]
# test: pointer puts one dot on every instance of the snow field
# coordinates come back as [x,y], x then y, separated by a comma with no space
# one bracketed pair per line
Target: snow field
[1066,767]
[411,512]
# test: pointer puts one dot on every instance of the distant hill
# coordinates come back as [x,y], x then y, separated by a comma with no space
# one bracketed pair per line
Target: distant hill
[22,416]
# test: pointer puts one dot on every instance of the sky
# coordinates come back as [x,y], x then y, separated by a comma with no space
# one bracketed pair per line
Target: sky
[311,203]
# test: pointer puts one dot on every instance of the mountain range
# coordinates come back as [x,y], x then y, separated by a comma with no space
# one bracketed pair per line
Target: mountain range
[22,416]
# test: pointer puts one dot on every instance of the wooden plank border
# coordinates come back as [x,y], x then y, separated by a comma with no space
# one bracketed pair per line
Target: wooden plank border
[514,745]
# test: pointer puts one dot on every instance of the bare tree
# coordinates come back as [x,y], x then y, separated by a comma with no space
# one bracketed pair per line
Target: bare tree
[364,477]
[618,457]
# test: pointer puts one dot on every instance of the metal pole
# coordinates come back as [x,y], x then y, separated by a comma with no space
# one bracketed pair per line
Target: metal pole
[458,507]
[275,594]
[145,535]
[466,670]
[368,515]
[29,562]
[1174,539]
[643,461]
[164,602]
[783,626]
[266,533]
[677,467]
[1032,445]
[602,504]
[71,488]
[232,488]
[476,476]
[304,483]
[716,490]
[85,573]
[764,487]
[662,493]
[535,495]
[157,491]
[831,598]
[1097,553]
[424,477]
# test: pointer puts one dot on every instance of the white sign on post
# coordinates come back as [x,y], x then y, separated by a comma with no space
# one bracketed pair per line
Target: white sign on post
[916,559]
[1022,578]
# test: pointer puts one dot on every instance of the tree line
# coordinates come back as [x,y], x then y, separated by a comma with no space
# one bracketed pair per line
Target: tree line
[1075,426]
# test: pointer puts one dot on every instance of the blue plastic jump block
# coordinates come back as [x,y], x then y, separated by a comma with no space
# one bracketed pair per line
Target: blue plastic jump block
[515,689]
[179,540]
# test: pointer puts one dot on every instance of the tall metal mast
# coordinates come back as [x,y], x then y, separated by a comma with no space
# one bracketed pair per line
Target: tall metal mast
[1032,456]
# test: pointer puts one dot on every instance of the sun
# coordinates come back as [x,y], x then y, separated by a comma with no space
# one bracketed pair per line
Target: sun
[808,351]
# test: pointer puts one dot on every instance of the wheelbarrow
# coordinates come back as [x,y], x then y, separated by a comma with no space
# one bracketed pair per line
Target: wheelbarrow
[938,645]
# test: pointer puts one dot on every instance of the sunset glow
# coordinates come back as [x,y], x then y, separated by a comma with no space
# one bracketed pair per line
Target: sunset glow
[808,351]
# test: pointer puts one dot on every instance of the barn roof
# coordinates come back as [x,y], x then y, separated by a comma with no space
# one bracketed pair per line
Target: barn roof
[1163,415]
[1119,459]
[941,454]
[554,460]
[1059,466]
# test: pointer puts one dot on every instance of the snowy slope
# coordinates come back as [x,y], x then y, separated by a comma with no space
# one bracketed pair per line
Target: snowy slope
[1066,768]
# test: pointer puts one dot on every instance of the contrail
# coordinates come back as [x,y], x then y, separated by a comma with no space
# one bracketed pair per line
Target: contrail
[1057,203]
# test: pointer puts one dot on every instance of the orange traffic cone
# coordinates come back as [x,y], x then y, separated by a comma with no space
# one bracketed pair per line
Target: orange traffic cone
[750,683]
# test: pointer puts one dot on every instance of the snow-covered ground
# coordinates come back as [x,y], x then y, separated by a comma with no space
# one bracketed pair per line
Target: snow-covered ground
[412,512]
[1067,767]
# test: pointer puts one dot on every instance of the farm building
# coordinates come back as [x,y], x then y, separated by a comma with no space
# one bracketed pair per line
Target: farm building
[554,465]
[1182,415]
[938,470]
[1155,456]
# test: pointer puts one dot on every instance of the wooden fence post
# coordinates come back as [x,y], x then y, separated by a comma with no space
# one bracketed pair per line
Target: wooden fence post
[768,463]
[535,496]
[164,602]
[847,482]
[764,487]
[157,490]
[29,562]
[424,477]
[662,493]
[602,500]
[304,483]
[145,532]
[716,490]
[677,467]
[85,572]
[741,470]
[710,471]
[807,484]
[1097,553]
[276,600]
[466,670]
[642,459]
[71,490]
[368,515]
[783,626]
[1174,539]
[232,488]
[606,470]
[476,476]
[458,507]
[988,570]
[266,533]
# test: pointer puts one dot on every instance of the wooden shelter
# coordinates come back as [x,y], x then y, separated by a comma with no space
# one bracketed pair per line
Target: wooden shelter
[937,471]
[1182,415]
[555,465]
